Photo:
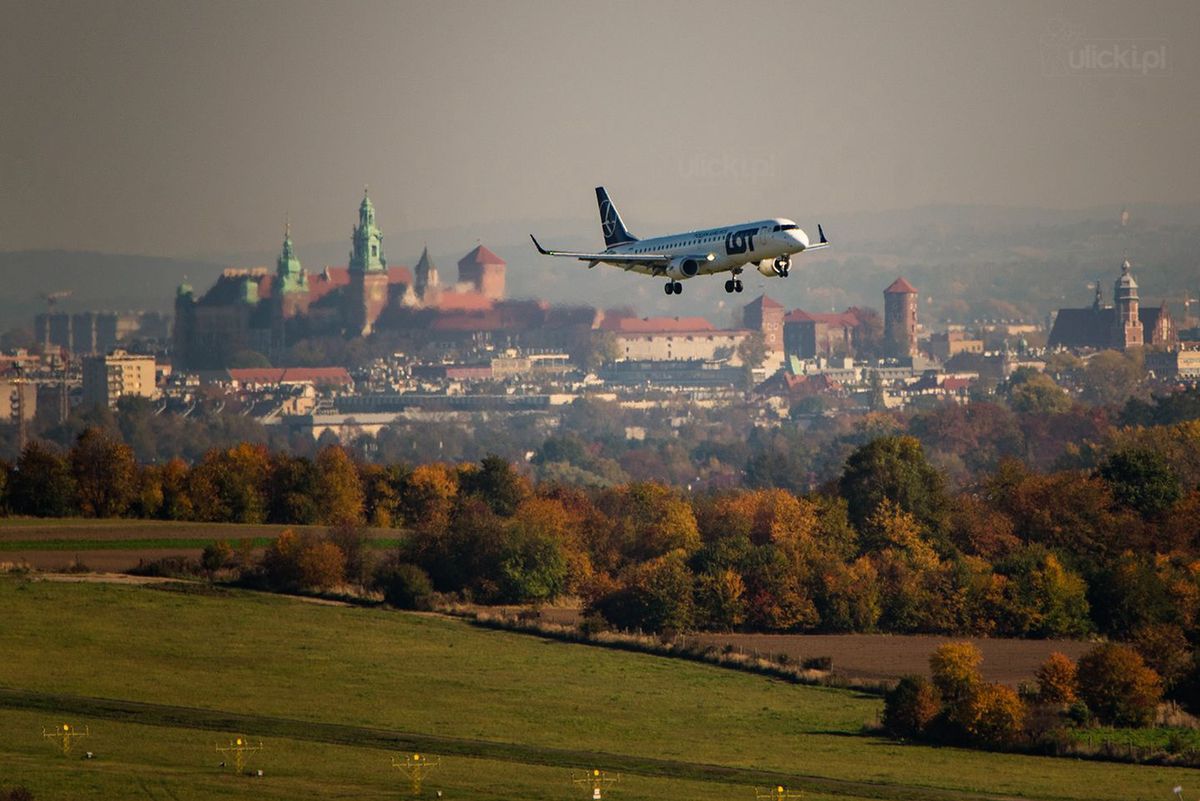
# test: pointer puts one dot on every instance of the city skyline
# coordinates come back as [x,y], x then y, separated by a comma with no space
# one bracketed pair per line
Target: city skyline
[181,130]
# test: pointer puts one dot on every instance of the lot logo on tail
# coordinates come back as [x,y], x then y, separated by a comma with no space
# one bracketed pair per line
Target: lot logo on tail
[608,218]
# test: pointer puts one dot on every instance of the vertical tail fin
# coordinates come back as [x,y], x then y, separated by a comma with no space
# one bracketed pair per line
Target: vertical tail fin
[611,223]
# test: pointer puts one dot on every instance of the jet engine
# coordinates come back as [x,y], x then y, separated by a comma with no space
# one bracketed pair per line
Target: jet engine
[686,266]
[774,268]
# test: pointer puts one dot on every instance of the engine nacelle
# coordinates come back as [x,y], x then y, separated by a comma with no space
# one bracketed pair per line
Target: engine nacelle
[686,267]
[771,268]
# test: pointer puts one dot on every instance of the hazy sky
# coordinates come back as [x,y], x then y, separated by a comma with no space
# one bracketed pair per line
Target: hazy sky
[181,128]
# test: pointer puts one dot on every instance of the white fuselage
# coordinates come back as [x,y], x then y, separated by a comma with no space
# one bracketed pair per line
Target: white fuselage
[730,248]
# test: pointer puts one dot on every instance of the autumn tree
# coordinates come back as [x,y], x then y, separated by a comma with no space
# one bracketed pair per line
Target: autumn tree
[292,490]
[954,668]
[339,493]
[911,706]
[1166,651]
[296,562]
[533,566]
[752,351]
[649,520]
[1110,378]
[656,595]
[1117,686]
[994,715]
[1142,479]
[176,500]
[496,483]
[215,556]
[104,471]
[230,485]
[1041,597]
[41,483]
[1036,393]
[427,496]
[720,601]
[893,468]
[403,585]
[1056,680]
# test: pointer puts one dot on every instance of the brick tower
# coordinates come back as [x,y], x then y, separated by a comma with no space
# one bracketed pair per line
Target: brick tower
[900,319]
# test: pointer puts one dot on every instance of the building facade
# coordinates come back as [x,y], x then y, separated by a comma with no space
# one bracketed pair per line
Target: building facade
[106,379]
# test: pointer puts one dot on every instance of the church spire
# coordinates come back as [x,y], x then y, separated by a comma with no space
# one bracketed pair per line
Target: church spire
[367,240]
[290,275]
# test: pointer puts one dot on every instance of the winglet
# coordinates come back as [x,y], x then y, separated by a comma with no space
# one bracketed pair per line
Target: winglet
[821,231]
[541,249]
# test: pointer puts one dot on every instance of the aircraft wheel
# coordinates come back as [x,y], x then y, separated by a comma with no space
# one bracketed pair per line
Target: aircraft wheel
[669,287]
[678,288]
[729,285]
[737,286]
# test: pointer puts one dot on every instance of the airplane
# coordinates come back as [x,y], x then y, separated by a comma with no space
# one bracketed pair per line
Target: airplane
[766,244]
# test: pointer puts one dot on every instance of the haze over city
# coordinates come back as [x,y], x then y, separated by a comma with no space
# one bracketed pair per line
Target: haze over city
[190,129]
[353,443]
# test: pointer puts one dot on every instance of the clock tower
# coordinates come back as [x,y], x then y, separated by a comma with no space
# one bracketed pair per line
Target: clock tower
[367,295]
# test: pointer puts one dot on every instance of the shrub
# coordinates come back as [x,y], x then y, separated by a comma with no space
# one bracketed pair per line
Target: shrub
[404,585]
[215,556]
[1056,680]
[911,706]
[1117,686]
[303,562]
[955,670]
[994,715]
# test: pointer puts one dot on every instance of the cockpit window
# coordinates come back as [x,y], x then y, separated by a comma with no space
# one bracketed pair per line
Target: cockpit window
[788,227]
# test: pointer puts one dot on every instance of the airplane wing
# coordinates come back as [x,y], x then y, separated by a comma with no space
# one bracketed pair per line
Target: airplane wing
[626,260]
[821,245]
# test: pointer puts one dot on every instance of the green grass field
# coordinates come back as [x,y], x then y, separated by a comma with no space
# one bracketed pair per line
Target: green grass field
[334,691]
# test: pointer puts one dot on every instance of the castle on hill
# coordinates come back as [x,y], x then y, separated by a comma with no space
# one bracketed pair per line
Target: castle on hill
[265,312]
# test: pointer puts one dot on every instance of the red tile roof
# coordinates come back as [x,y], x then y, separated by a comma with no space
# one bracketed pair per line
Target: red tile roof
[481,255]
[900,287]
[452,301]
[765,302]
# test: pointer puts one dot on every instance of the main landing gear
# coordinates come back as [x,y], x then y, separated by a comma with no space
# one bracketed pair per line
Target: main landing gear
[733,285]
[673,288]
[782,266]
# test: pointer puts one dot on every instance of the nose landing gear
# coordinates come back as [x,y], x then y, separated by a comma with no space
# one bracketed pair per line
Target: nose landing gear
[673,288]
[783,266]
[733,285]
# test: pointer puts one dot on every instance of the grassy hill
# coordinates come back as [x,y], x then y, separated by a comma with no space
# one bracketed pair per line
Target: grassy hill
[161,676]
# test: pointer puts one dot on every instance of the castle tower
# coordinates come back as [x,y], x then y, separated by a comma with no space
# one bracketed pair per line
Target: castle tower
[483,270]
[291,279]
[367,295]
[1127,324]
[425,279]
[900,319]
[766,316]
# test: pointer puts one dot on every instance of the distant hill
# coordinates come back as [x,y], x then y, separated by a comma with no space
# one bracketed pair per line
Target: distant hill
[96,281]
[967,261]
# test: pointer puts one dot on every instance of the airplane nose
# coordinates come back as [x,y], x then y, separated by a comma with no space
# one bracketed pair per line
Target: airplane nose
[801,237]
